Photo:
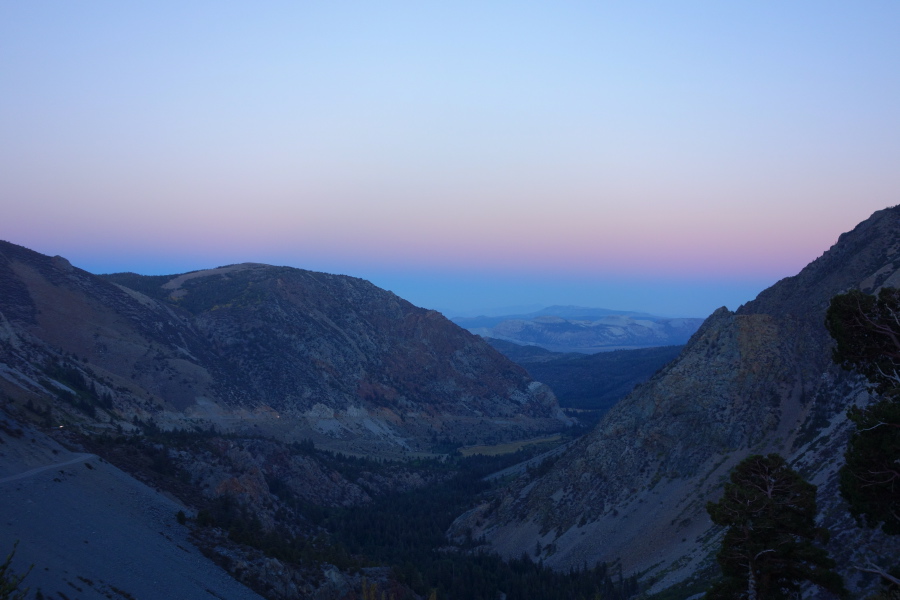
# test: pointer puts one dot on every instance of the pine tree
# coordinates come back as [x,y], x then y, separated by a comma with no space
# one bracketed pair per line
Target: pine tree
[768,550]
[11,583]
[870,477]
[867,331]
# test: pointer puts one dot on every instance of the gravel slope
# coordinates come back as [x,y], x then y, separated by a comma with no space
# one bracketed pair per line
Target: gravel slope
[91,531]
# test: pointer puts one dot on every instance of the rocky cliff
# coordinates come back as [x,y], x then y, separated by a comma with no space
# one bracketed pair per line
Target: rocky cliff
[273,350]
[757,380]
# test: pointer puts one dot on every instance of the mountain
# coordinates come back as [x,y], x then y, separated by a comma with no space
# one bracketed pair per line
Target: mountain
[274,350]
[230,421]
[575,313]
[754,381]
[528,354]
[593,382]
[586,330]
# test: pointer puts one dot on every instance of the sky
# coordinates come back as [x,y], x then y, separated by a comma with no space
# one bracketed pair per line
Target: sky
[472,157]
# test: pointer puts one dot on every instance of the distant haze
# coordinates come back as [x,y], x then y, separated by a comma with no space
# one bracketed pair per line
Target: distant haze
[655,156]
[458,295]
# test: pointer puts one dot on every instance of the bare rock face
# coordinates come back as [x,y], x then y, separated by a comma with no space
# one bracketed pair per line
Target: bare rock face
[755,381]
[254,348]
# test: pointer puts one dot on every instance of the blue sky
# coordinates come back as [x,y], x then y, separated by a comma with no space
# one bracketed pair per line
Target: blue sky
[658,156]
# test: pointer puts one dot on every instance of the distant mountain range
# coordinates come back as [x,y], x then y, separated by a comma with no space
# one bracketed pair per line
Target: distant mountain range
[586,330]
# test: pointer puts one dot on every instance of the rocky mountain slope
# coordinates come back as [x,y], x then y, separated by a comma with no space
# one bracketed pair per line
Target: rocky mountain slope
[756,380]
[185,514]
[93,532]
[274,350]
[222,397]
[587,330]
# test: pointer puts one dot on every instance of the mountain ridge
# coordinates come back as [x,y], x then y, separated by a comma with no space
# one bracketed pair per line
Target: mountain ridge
[293,352]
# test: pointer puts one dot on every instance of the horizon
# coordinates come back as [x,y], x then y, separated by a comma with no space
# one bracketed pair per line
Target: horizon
[622,296]
[656,158]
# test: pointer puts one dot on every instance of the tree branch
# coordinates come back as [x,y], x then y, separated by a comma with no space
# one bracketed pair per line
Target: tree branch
[879,571]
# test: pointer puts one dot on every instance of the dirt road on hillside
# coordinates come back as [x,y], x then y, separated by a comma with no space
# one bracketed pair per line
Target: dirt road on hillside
[77,459]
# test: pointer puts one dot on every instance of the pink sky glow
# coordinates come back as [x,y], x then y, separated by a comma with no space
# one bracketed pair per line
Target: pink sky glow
[462,155]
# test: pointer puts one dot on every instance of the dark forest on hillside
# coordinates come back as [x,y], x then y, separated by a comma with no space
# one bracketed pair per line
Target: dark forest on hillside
[404,531]
[589,381]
